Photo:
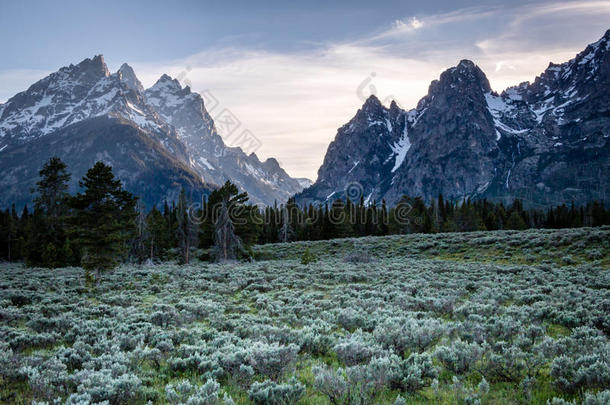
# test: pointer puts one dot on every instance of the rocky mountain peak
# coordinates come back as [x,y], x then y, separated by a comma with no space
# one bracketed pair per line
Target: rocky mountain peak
[372,107]
[94,68]
[128,76]
[271,164]
[469,74]
[168,83]
[545,142]
[156,138]
[594,51]
[465,79]
[394,106]
[372,100]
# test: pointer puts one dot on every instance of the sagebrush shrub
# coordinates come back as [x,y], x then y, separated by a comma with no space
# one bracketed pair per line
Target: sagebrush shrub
[184,392]
[271,393]
[460,356]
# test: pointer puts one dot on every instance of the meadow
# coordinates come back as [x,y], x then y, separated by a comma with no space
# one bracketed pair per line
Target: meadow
[462,318]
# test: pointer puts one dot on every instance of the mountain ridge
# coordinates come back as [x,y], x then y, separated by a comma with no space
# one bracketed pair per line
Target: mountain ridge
[173,118]
[545,142]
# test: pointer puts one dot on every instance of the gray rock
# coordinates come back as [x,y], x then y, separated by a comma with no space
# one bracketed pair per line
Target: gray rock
[546,142]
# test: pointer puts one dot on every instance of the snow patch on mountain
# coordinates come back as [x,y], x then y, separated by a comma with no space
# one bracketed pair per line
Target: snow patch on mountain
[499,107]
[304,183]
[401,147]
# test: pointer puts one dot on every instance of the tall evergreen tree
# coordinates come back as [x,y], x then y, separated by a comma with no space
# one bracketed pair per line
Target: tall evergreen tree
[139,244]
[46,233]
[246,219]
[160,235]
[103,220]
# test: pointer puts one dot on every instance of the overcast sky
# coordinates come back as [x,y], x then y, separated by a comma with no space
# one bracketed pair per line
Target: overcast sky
[293,74]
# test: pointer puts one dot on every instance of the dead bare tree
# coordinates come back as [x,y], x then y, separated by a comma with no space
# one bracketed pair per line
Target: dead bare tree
[226,242]
[286,233]
[187,230]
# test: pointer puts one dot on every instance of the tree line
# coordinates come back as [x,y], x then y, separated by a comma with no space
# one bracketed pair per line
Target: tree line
[104,224]
[291,222]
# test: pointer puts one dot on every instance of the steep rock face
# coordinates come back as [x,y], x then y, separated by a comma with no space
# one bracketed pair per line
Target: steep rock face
[185,111]
[366,151]
[266,182]
[544,142]
[562,152]
[453,138]
[177,127]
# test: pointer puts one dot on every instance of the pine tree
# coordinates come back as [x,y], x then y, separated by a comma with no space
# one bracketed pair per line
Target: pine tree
[52,191]
[160,240]
[46,233]
[103,220]
[515,221]
[338,221]
[139,250]
[246,219]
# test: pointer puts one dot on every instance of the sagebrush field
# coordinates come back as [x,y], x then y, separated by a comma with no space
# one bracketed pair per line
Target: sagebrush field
[490,317]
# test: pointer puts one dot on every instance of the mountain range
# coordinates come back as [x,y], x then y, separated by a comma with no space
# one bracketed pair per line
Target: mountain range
[157,140]
[545,142]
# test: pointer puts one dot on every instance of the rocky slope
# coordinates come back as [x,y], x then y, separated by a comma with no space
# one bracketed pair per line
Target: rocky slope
[546,142]
[158,140]
[265,182]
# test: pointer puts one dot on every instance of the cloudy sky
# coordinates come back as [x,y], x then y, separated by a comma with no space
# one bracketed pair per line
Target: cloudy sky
[293,74]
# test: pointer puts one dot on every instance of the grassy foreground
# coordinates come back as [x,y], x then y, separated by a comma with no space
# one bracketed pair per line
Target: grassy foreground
[486,317]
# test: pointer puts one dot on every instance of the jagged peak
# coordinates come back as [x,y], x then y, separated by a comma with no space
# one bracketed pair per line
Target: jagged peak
[94,66]
[126,69]
[372,105]
[271,163]
[128,76]
[465,73]
[165,77]
[596,48]
[466,64]
[372,100]
[167,82]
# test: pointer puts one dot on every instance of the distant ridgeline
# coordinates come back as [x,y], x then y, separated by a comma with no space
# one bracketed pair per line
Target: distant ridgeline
[61,229]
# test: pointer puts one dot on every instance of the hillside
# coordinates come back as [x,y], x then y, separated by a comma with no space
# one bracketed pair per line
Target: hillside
[500,317]
[534,246]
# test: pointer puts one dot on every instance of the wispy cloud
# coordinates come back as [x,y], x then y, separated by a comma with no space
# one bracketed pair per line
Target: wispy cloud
[411,24]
